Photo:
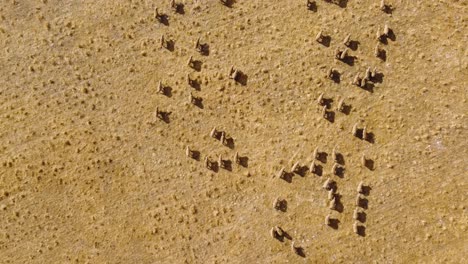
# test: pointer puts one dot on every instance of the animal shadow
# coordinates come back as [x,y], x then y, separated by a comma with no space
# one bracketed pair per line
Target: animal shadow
[194,84]
[170,45]
[300,252]
[163,19]
[179,8]
[346,109]
[195,154]
[370,137]
[340,159]
[328,102]
[302,170]
[391,34]
[354,45]
[283,206]
[334,223]
[165,116]
[363,203]
[382,55]
[378,77]
[287,176]
[205,49]
[241,78]
[322,157]
[227,165]
[366,190]
[361,230]
[228,3]
[362,217]
[312,6]
[342,3]
[229,142]
[196,65]
[244,162]
[349,60]
[330,116]
[167,91]
[326,40]
[338,204]
[198,102]
[336,76]
[369,87]
[340,171]
[369,163]
[318,169]
[388,9]
[213,166]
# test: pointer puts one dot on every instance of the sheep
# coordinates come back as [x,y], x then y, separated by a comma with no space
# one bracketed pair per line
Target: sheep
[320,100]
[277,233]
[281,173]
[374,72]
[234,73]
[356,213]
[334,154]
[332,205]
[355,129]
[327,184]
[223,138]
[190,62]
[315,153]
[295,250]
[188,152]
[357,80]
[358,200]
[312,167]
[161,88]
[347,40]
[337,53]
[161,114]
[360,188]
[236,158]
[340,106]
[331,73]
[319,37]
[214,133]
[295,167]
[310,4]
[334,168]
[386,31]
[324,111]
[343,54]
[383,6]
[331,194]
[162,42]
[327,220]
[377,50]
[208,163]
[220,161]
[356,227]
[368,74]
[363,160]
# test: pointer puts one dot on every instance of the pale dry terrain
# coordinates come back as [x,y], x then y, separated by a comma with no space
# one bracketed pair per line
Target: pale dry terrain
[89,174]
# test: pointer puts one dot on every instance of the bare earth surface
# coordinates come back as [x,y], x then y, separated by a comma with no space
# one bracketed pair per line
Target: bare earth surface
[89,174]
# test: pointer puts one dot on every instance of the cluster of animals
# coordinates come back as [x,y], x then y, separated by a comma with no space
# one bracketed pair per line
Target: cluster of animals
[340,54]
[371,76]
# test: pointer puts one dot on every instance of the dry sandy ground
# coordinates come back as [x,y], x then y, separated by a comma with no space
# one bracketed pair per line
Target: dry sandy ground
[89,174]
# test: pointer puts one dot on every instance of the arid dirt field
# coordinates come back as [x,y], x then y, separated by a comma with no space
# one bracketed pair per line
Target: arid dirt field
[90,174]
